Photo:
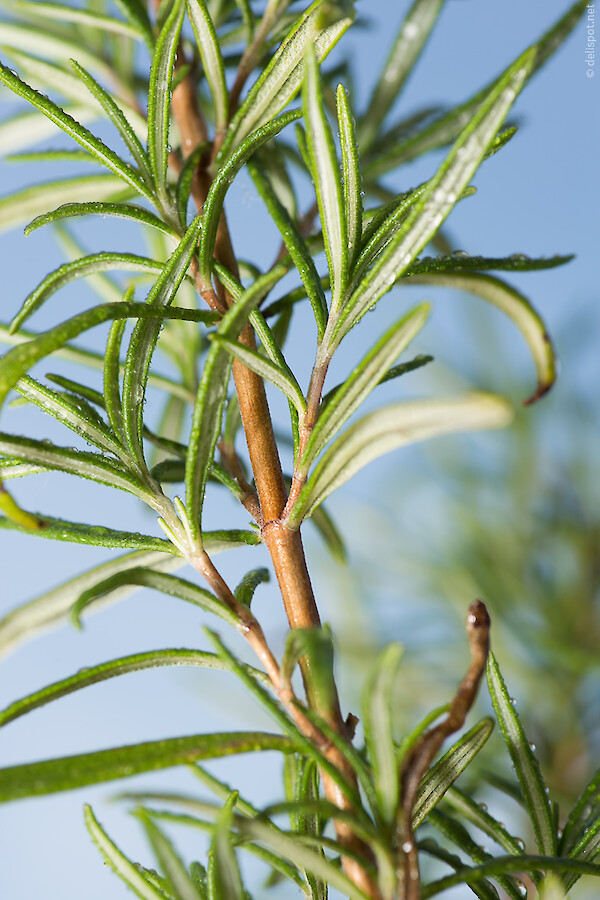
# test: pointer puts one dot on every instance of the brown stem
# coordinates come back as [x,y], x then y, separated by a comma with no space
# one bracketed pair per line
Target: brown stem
[420,757]
[284,546]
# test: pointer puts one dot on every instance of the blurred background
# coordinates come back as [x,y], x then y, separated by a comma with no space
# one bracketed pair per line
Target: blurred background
[510,517]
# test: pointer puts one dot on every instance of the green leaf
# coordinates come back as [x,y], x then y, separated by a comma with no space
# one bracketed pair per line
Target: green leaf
[81,17]
[365,377]
[444,773]
[19,132]
[438,198]
[121,210]
[157,581]
[212,60]
[93,466]
[585,809]
[351,171]
[482,888]
[137,662]
[326,174]
[389,428]
[378,705]
[19,359]
[244,592]
[65,410]
[77,131]
[316,645]
[128,871]
[21,207]
[82,268]
[501,865]
[289,847]
[585,850]
[322,25]
[295,245]
[213,205]
[68,772]
[524,761]
[145,335]
[178,878]
[224,879]
[267,370]
[117,116]
[159,97]
[518,308]
[42,42]
[458,834]
[330,533]
[401,59]
[445,128]
[210,400]
[478,816]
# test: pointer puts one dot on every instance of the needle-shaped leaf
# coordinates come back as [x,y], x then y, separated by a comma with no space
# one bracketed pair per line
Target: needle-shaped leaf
[44,43]
[111,384]
[224,879]
[585,850]
[145,335]
[117,116]
[21,358]
[137,15]
[159,96]
[22,206]
[326,174]
[210,401]
[137,662]
[321,25]
[439,197]
[244,592]
[585,809]
[392,427]
[365,377]
[216,196]
[378,705]
[20,132]
[120,210]
[524,761]
[479,816]
[68,772]
[460,262]
[295,245]
[177,876]
[212,60]
[351,171]
[401,59]
[121,865]
[455,831]
[267,370]
[444,129]
[77,131]
[445,772]
[93,466]
[316,645]
[158,581]
[501,865]
[82,268]
[83,17]
[65,410]
[518,308]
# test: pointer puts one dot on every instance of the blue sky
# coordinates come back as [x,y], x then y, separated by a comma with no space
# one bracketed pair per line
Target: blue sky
[539,196]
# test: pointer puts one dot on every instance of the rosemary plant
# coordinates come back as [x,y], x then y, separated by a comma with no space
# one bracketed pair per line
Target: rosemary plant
[199,90]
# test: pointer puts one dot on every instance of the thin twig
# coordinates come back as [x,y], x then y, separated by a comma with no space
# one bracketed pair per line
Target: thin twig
[420,757]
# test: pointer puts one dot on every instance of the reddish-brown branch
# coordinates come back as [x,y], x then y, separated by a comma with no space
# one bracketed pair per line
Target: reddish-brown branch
[284,546]
[421,756]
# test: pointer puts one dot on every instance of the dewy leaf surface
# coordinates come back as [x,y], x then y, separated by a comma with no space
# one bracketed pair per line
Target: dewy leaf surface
[526,765]
[518,308]
[68,772]
[392,427]
[439,197]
